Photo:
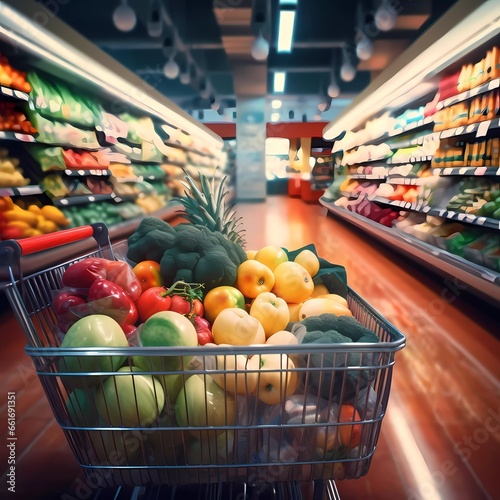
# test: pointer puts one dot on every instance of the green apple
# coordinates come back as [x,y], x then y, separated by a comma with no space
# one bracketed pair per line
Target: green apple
[168,329]
[96,330]
[130,400]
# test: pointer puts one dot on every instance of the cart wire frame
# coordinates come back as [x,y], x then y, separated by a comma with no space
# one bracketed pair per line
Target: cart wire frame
[124,434]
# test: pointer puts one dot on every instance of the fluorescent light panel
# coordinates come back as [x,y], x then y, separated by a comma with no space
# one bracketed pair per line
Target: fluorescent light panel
[279,81]
[285,30]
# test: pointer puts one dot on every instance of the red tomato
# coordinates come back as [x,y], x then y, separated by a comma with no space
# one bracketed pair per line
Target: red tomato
[198,309]
[148,273]
[180,305]
[151,301]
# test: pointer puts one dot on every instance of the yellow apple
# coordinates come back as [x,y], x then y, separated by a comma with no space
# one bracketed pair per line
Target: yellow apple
[282,337]
[236,327]
[277,379]
[271,256]
[236,378]
[253,278]
[271,311]
[317,306]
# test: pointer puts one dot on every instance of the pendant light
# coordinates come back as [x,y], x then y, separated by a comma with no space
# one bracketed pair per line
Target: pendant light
[260,48]
[385,16]
[347,70]
[124,17]
[155,25]
[333,89]
[171,68]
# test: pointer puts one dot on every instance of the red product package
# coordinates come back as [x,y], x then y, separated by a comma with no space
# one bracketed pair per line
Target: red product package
[448,86]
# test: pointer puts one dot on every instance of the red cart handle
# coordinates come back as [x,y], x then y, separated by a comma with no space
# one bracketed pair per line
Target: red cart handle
[43,242]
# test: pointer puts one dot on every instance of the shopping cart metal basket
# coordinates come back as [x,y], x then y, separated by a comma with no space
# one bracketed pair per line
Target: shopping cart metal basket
[328,429]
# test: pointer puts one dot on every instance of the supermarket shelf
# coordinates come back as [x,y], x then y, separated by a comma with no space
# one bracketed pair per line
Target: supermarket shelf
[469,94]
[16,136]
[406,181]
[368,176]
[413,159]
[15,94]
[188,149]
[480,129]
[470,171]
[424,122]
[447,214]
[91,198]
[483,280]
[21,191]
[84,172]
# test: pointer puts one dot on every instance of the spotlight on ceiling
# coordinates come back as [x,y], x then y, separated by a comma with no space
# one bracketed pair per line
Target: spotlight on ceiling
[333,89]
[385,16]
[275,117]
[347,70]
[124,17]
[260,48]
[364,47]
[215,104]
[276,104]
[317,117]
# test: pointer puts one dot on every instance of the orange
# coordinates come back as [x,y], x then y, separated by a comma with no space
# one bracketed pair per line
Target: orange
[271,256]
[292,282]
[308,261]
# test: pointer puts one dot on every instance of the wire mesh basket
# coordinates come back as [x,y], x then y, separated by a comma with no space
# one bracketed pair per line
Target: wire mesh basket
[178,415]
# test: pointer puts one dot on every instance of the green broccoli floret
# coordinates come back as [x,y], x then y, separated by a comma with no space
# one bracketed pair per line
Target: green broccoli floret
[352,328]
[324,322]
[146,225]
[328,337]
[151,246]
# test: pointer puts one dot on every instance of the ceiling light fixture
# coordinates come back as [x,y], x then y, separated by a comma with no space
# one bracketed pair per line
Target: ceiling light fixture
[385,16]
[124,17]
[324,104]
[215,104]
[275,117]
[317,117]
[260,48]
[279,81]
[276,104]
[364,45]
[291,114]
[285,30]
[155,25]
[333,89]
[204,88]
[347,70]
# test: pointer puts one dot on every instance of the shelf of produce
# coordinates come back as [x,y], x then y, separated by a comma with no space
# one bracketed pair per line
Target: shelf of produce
[14,93]
[470,171]
[482,280]
[21,191]
[469,94]
[16,136]
[439,212]
[480,129]
[117,232]
[85,172]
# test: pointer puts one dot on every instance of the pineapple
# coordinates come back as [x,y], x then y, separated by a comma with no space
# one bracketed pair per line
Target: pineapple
[207,207]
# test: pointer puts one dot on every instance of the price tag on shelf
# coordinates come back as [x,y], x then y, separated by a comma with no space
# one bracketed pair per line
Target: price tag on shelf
[463,171]
[447,133]
[470,128]
[7,91]
[494,84]
[460,217]
[459,130]
[482,128]
[480,171]
[447,171]
[474,91]
[21,95]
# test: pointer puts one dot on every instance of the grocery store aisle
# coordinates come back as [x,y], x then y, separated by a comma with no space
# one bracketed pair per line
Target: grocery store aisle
[441,436]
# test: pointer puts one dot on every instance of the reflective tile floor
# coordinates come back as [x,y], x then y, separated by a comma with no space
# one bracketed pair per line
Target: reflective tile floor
[440,438]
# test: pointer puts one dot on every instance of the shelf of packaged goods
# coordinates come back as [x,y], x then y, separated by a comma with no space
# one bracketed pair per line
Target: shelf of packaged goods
[415,141]
[188,149]
[99,172]
[469,171]
[469,94]
[406,181]
[439,212]
[481,279]
[16,136]
[14,93]
[20,191]
[479,128]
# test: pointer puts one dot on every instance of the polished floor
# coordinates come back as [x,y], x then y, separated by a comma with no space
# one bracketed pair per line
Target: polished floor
[440,438]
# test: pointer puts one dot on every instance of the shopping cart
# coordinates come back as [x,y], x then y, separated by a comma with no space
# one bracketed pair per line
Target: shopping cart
[327,430]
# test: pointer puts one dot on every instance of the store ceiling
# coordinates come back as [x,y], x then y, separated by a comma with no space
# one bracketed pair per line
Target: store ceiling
[217,36]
